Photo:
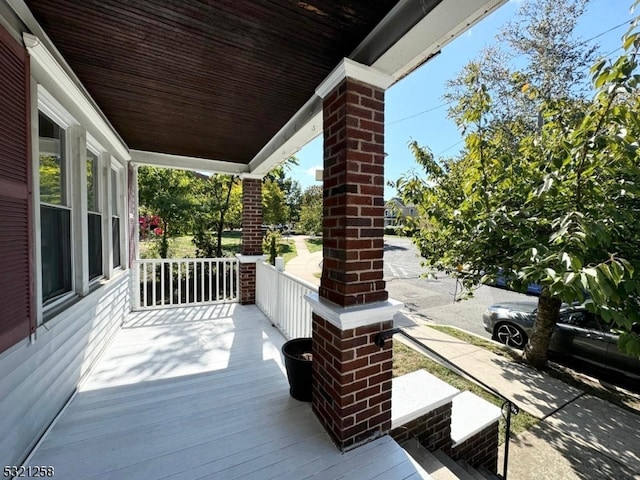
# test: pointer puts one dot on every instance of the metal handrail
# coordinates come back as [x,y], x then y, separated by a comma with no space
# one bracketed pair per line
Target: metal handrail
[511,407]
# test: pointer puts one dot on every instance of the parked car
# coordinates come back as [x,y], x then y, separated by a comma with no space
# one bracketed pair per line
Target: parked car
[578,333]
[532,288]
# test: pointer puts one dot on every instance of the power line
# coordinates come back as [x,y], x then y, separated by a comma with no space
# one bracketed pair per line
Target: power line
[627,22]
[449,148]
[419,113]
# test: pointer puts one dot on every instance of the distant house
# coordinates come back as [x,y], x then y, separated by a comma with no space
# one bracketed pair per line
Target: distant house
[395,212]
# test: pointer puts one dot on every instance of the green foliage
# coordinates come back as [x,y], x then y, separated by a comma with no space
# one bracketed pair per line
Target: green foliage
[51,180]
[275,210]
[311,211]
[559,207]
[272,245]
[168,194]
[313,244]
[218,203]
[287,210]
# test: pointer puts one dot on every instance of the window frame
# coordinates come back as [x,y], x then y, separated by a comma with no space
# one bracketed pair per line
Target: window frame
[116,199]
[51,108]
[96,149]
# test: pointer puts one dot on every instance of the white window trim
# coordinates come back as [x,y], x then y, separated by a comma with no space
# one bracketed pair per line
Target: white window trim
[47,71]
[94,147]
[120,193]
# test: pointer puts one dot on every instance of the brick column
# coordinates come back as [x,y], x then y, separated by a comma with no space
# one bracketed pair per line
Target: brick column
[351,375]
[251,246]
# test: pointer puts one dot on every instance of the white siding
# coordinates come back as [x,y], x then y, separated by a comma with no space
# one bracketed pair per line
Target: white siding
[37,379]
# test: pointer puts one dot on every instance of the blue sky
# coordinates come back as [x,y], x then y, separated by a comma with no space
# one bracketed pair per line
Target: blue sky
[423,90]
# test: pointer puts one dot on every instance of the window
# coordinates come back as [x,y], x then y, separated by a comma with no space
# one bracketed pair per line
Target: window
[115,217]
[94,220]
[55,212]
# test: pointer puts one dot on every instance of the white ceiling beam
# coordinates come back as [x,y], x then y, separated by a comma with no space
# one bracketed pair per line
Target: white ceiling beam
[140,157]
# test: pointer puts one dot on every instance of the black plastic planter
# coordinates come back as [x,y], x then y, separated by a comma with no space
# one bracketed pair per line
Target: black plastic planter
[297,360]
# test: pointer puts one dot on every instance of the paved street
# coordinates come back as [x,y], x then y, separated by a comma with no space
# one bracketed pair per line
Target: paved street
[435,299]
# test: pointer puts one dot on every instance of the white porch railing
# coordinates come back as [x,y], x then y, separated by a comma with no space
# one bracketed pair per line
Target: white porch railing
[165,283]
[280,296]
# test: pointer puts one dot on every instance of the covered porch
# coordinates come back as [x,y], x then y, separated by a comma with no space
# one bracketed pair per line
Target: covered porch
[200,392]
[224,87]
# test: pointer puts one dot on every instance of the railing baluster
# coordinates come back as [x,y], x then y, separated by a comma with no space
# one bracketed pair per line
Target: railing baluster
[153,279]
[224,283]
[210,280]
[144,267]
[179,283]
[171,282]
[162,283]
[222,275]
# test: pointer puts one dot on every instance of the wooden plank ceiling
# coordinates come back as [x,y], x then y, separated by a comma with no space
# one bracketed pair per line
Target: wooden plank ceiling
[213,79]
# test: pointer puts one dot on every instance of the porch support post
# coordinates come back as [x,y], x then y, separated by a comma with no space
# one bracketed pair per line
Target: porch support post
[251,246]
[351,375]
[132,212]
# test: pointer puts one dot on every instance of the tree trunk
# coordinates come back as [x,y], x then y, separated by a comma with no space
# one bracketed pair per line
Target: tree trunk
[535,353]
[223,212]
[164,243]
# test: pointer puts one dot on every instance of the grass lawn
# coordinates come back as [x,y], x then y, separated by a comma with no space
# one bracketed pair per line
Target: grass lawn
[407,360]
[288,250]
[183,247]
[314,244]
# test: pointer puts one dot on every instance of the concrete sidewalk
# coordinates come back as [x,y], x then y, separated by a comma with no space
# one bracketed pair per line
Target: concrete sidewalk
[579,436]
[306,263]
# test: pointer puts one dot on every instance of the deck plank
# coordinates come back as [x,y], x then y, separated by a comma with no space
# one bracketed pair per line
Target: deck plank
[202,393]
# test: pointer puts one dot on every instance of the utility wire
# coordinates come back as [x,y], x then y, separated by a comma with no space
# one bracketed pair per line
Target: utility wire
[449,148]
[627,22]
[419,113]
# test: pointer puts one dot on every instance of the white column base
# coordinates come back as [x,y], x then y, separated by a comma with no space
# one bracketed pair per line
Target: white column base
[250,258]
[347,318]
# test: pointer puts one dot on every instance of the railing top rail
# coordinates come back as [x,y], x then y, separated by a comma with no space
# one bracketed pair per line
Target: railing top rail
[300,281]
[178,260]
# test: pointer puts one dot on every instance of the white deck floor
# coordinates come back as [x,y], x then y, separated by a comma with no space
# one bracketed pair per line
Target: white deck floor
[201,392]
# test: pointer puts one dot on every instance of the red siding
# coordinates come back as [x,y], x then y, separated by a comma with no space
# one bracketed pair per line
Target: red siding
[17,319]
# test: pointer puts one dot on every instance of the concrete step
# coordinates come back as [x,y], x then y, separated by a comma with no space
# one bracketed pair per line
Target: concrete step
[475,474]
[452,465]
[416,394]
[469,415]
[428,461]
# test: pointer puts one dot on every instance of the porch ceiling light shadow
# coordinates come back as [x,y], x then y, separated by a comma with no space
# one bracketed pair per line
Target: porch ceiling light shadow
[221,79]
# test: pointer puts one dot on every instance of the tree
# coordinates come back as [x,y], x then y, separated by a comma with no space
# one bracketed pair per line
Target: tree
[311,210]
[168,194]
[274,207]
[218,200]
[558,207]
[541,41]
[290,188]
